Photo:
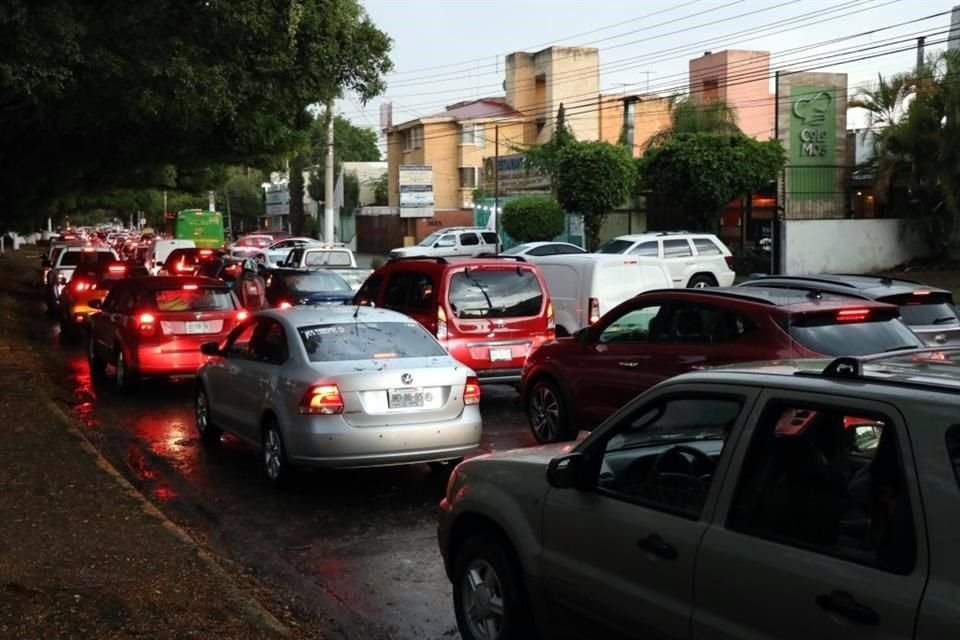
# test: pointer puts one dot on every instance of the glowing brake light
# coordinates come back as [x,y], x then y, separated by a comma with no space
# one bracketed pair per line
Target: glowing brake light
[551,321]
[242,315]
[442,333]
[921,292]
[594,311]
[183,266]
[284,305]
[190,287]
[322,399]
[146,324]
[81,286]
[471,391]
[117,268]
[853,315]
[206,252]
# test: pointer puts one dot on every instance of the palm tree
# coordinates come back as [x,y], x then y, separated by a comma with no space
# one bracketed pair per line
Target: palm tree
[691,116]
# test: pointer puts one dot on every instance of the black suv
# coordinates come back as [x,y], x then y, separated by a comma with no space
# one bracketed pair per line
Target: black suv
[928,311]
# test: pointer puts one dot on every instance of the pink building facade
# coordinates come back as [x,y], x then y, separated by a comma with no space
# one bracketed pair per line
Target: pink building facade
[742,80]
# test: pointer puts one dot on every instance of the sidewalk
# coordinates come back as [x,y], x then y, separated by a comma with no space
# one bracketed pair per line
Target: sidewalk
[82,553]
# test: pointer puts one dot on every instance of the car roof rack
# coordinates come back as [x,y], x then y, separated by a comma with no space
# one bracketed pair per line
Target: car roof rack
[437,259]
[672,233]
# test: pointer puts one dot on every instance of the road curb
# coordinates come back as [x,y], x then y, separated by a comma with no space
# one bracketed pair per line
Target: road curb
[260,616]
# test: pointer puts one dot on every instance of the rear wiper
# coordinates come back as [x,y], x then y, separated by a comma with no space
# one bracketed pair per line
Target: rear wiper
[945,319]
[902,347]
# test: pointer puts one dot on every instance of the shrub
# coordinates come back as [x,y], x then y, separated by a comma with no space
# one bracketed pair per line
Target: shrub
[533,219]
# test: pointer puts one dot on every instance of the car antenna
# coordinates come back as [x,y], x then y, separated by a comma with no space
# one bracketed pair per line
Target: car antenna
[356,311]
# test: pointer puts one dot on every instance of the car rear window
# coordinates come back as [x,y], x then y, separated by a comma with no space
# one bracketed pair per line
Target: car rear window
[925,309]
[192,299]
[310,282]
[706,247]
[855,338]
[497,293]
[368,340]
[615,246]
[327,258]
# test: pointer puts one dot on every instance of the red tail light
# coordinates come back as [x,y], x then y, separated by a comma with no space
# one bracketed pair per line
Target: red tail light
[242,315]
[190,287]
[729,261]
[146,324]
[442,333]
[594,311]
[853,315]
[117,268]
[284,305]
[551,321]
[82,285]
[471,391]
[322,399]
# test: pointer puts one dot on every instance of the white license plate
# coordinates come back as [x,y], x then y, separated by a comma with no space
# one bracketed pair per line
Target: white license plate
[405,398]
[200,326]
[501,354]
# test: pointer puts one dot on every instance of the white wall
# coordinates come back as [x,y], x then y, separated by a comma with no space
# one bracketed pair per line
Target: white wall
[848,246]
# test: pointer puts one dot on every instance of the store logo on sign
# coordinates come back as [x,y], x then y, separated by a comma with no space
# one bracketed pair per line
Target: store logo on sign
[812,113]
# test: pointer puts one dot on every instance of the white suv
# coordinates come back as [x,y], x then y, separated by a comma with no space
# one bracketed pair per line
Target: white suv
[695,260]
[467,242]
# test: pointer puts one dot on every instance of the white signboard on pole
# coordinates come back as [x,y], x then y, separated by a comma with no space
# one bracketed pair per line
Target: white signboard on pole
[278,200]
[416,191]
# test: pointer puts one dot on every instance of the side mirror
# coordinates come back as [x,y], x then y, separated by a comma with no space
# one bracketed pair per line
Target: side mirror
[96,303]
[582,335]
[210,349]
[565,472]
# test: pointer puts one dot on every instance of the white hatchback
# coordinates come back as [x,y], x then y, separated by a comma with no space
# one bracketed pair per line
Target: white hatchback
[694,260]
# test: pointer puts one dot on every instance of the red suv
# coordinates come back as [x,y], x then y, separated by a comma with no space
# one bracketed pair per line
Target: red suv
[155,326]
[489,313]
[578,382]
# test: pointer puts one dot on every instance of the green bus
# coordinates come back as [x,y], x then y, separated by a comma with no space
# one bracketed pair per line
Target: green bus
[205,228]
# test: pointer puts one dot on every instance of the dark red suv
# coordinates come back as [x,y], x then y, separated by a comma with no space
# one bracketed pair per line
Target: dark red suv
[489,313]
[577,382]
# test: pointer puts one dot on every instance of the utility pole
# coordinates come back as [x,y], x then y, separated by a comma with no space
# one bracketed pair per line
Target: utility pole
[226,197]
[212,200]
[496,185]
[328,186]
[776,223]
[920,43]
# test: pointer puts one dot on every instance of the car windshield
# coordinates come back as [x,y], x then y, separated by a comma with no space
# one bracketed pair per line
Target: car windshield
[500,293]
[856,338]
[430,239]
[192,299]
[615,246]
[312,282]
[368,340]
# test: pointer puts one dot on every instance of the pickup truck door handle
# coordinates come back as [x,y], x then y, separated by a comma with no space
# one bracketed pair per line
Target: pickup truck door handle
[658,547]
[629,365]
[843,604]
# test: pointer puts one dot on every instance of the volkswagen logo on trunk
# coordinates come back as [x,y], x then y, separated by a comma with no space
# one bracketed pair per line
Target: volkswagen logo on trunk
[406,378]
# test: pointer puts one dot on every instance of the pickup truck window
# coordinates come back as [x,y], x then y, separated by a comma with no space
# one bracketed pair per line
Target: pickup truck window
[820,480]
[328,259]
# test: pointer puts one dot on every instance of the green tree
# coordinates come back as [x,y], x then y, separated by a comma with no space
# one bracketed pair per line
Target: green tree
[245,198]
[298,221]
[350,144]
[592,179]
[533,219]
[351,193]
[100,97]
[545,157]
[703,172]
[381,191]
[692,116]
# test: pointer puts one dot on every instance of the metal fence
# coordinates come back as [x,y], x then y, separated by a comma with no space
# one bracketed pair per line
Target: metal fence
[823,192]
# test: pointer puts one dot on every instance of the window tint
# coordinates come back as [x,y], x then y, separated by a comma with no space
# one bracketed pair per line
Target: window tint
[517,249]
[269,343]
[676,249]
[567,248]
[238,343]
[448,240]
[543,250]
[327,258]
[706,247]
[489,237]
[953,449]
[495,294]
[816,478]
[369,291]
[665,455]
[469,239]
[615,246]
[679,324]
[855,338]
[633,326]
[199,299]
[931,308]
[317,281]
[368,340]
[409,290]
[647,249]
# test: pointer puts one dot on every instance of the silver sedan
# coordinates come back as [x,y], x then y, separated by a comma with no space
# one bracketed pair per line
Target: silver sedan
[338,387]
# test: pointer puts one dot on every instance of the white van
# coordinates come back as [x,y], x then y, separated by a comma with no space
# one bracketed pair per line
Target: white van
[160,249]
[585,286]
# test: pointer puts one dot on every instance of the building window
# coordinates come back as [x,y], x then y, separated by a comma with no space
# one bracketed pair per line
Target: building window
[629,121]
[468,177]
[412,138]
[710,90]
[467,134]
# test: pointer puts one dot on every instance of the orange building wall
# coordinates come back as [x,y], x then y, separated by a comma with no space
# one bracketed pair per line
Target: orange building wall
[743,81]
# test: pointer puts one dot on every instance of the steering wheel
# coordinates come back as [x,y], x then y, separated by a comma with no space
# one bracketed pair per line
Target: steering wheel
[686,488]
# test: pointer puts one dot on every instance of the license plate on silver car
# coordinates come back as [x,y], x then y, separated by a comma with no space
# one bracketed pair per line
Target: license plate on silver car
[405,398]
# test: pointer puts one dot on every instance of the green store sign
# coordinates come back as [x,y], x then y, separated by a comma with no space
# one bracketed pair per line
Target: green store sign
[813,142]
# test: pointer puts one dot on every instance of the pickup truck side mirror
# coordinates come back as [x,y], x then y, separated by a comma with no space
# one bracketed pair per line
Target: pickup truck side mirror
[210,349]
[566,471]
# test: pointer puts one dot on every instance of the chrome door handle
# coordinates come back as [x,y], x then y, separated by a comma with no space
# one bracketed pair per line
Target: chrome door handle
[629,364]
[658,547]
[843,604]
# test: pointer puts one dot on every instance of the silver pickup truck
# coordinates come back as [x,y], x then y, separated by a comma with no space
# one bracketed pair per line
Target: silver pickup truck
[326,256]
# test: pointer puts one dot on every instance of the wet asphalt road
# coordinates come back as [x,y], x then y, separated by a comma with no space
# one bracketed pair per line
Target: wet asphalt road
[353,554]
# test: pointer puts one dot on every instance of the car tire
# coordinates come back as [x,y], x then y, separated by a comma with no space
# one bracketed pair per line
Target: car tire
[444,466]
[127,378]
[98,368]
[273,454]
[209,432]
[547,412]
[701,281]
[488,594]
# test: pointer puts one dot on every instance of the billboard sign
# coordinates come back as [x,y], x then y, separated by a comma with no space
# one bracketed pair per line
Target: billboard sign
[416,191]
[515,175]
[278,200]
[813,142]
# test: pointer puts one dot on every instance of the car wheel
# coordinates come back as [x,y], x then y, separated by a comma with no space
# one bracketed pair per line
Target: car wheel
[127,379]
[274,454]
[488,597]
[546,413]
[701,282]
[98,368]
[444,466]
[208,431]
